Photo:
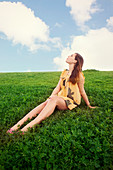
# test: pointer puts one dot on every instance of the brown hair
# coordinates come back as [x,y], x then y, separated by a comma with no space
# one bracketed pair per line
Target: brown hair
[77,69]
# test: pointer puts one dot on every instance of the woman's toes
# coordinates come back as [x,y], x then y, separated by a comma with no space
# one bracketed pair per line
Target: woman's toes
[10,131]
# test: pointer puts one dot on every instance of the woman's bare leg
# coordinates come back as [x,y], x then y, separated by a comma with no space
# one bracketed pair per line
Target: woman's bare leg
[31,114]
[47,111]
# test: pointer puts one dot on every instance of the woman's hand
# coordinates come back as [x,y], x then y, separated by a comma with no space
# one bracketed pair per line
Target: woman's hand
[92,107]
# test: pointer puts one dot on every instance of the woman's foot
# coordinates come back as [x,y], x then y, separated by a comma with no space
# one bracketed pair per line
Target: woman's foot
[10,131]
[15,127]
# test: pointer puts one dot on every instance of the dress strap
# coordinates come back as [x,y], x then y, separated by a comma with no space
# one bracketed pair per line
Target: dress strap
[83,74]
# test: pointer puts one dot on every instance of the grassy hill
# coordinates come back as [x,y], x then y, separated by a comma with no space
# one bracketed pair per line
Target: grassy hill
[77,139]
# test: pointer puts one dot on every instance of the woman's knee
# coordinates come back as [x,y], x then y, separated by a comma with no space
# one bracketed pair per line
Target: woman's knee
[53,99]
[49,99]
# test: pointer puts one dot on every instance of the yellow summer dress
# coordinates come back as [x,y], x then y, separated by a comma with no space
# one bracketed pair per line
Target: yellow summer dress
[69,92]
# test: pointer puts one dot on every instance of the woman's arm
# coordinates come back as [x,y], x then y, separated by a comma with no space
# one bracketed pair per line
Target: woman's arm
[82,91]
[57,88]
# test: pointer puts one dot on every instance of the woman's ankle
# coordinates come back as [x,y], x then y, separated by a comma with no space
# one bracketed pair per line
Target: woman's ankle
[15,127]
[24,130]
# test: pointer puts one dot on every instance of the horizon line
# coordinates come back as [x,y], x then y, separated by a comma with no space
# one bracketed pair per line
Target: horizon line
[28,71]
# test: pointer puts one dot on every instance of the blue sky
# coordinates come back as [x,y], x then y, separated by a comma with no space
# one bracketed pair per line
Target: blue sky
[38,35]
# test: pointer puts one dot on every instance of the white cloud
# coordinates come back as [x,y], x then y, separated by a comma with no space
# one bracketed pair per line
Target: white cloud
[110,23]
[95,47]
[60,61]
[81,11]
[58,25]
[56,42]
[20,25]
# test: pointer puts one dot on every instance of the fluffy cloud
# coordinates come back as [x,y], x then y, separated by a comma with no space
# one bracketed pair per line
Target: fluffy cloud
[58,25]
[81,10]
[20,25]
[110,23]
[95,47]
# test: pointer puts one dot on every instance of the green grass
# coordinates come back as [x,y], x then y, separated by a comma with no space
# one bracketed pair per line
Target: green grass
[77,139]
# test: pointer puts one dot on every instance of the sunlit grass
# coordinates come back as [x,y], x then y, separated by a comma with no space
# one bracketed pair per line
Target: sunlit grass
[79,139]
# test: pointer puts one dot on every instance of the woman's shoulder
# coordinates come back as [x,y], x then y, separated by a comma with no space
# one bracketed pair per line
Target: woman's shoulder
[81,74]
[63,72]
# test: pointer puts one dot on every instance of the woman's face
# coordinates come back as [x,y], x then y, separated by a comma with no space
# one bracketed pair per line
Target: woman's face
[71,59]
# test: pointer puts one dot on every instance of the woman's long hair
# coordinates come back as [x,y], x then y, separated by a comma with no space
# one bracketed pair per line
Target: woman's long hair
[77,68]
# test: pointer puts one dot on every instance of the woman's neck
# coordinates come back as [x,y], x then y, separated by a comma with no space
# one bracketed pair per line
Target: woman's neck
[71,67]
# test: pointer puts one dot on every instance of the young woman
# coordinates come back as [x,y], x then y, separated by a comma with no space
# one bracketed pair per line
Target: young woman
[66,95]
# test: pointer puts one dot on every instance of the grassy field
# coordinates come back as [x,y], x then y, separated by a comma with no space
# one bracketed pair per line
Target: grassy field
[77,139]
